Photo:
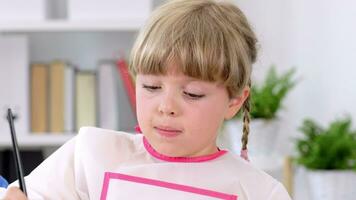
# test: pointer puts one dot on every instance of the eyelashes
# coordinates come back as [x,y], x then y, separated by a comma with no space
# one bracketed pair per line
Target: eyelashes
[197,96]
[152,88]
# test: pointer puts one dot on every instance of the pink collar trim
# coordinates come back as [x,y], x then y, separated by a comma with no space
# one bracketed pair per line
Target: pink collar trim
[157,155]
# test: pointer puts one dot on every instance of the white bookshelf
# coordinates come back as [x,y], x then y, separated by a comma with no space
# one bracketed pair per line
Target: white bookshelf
[82,43]
[69,26]
[53,39]
[36,140]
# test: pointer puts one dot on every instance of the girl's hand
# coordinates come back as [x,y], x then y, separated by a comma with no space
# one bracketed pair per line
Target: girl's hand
[14,193]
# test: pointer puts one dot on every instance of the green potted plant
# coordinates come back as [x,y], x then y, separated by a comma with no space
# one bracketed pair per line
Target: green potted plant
[329,156]
[266,101]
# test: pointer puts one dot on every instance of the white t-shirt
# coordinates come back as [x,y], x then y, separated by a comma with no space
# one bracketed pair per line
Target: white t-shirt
[104,164]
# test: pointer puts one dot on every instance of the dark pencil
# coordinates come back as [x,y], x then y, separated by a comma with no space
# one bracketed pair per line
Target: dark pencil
[17,157]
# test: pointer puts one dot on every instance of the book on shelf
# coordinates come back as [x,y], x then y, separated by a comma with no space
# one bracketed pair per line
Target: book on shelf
[128,82]
[38,97]
[85,99]
[127,96]
[115,111]
[69,76]
[14,79]
[64,99]
[52,97]
[61,98]
[107,95]
[56,96]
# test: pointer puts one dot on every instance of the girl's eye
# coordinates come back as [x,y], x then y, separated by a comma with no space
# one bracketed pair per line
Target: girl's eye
[194,96]
[151,87]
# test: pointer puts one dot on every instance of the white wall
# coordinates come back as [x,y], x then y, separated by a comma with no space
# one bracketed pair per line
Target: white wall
[318,38]
[323,45]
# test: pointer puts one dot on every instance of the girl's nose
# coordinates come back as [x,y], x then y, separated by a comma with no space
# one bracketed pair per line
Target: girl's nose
[168,106]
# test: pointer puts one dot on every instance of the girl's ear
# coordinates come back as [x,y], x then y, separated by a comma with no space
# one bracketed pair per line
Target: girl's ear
[236,103]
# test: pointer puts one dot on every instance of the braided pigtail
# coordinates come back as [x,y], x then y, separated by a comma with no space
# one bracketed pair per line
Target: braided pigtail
[246,126]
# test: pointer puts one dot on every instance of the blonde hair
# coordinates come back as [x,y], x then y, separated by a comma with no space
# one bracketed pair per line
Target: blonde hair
[209,40]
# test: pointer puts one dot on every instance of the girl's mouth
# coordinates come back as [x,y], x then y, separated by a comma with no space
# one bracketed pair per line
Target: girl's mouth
[167,131]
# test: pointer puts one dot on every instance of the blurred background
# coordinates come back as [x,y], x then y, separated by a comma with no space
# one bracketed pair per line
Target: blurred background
[57,54]
[315,38]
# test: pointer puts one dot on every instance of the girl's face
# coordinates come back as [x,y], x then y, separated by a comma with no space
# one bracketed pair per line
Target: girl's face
[180,115]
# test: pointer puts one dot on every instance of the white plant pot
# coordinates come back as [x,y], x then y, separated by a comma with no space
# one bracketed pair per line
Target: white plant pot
[332,184]
[261,141]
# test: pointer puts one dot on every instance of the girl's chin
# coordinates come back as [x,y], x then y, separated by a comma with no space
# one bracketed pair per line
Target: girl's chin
[169,151]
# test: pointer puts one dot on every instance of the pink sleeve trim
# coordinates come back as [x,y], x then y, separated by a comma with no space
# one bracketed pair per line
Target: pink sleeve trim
[185,188]
[157,155]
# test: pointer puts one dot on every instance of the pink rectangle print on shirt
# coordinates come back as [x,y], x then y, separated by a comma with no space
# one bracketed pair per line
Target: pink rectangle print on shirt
[146,188]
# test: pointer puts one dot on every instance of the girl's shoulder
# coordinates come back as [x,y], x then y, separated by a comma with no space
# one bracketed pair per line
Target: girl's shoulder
[89,132]
[98,139]
[251,177]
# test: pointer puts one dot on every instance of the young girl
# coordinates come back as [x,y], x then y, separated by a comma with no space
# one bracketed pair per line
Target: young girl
[192,64]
